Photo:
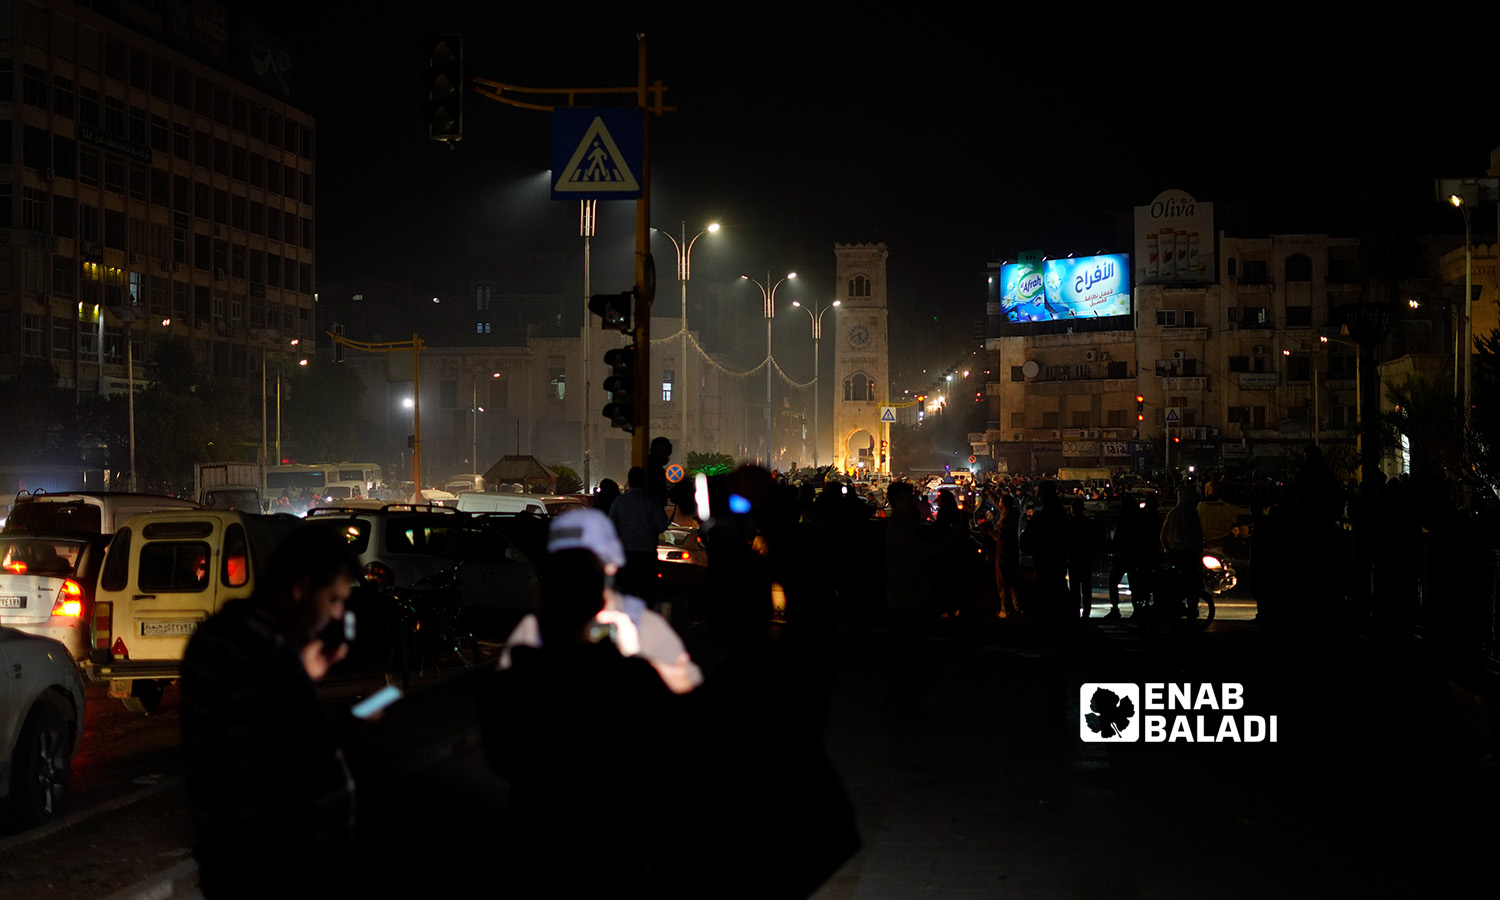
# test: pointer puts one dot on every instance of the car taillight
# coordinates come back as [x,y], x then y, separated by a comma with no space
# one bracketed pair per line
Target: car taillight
[69,600]
[16,567]
[379,574]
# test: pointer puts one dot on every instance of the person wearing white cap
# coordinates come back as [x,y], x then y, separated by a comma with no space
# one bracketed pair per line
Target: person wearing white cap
[637,629]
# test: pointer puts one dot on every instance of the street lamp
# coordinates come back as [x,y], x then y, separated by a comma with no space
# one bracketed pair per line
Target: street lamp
[817,334]
[768,295]
[684,248]
[1468,347]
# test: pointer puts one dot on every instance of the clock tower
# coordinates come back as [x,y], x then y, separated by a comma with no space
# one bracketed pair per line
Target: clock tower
[861,369]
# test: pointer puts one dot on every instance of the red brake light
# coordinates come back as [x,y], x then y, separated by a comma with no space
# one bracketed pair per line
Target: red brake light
[379,574]
[17,567]
[69,600]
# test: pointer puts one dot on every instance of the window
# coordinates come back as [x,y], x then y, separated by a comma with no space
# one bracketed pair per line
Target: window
[1239,364]
[174,566]
[34,86]
[34,209]
[1239,415]
[666,385]
[1298,267]
[1017,373]
[1081,418]
[1189,318]
[31,334]
[62,338]
[1254,271]
[1298,368]
[1166,318]
[859,286]
[1299,316]
[1049,419]
[1018,420]
[556,380]
[1255,317]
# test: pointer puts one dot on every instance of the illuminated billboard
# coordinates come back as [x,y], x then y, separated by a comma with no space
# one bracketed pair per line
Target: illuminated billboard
[1174,240]
[1089,287]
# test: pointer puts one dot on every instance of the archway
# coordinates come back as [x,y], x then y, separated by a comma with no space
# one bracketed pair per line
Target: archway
[859,452]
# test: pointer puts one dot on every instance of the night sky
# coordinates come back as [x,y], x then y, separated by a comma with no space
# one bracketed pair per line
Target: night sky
[955,141]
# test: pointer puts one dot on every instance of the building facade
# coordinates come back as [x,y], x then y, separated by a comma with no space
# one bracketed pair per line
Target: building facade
[155,180]
[1247,367]
[861,373]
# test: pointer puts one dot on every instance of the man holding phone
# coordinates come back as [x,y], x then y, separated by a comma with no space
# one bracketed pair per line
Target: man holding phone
[271,797]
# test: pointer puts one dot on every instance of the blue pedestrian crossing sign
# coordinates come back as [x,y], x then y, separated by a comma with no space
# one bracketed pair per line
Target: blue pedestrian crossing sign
[887,414]
[597,154]
[1174,415]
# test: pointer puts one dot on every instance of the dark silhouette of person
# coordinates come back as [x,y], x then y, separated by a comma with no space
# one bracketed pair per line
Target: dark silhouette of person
[1046,539]
[605,496]
[271,797]
[578,730]
[657,457]
[639,518]
[1084,542]
[1008,555]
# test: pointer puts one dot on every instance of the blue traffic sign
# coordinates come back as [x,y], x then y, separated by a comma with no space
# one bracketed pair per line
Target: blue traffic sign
[597,154]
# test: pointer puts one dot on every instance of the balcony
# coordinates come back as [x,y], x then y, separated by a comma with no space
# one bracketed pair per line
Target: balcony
[1198,333]
[1186,383]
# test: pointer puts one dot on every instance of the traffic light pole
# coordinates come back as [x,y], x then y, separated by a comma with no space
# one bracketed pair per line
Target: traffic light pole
[645,274]
[416,346]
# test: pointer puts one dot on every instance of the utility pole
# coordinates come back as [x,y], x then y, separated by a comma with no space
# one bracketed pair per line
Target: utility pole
[416,346]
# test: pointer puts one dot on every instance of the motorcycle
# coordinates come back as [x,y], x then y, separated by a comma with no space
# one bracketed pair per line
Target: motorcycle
[1218,574]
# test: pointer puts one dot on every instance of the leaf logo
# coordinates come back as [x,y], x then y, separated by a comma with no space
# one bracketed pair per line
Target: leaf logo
[1107,712]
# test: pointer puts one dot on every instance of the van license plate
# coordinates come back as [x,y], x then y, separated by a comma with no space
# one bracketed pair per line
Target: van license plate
[168,629]
[12,602]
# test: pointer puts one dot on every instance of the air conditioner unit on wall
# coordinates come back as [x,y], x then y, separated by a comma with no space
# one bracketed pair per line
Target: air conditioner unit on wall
[1016,436]
[1259,350]
[1093,433]
[1179,354]
[1090,355]
[1056,433]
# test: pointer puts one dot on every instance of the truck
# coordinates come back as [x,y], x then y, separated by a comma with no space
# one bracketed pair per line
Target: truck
[228,485]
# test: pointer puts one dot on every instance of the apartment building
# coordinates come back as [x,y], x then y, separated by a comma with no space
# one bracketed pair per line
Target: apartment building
[155,179]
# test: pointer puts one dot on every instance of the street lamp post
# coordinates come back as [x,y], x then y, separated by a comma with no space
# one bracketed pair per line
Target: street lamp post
[817,335]
[587,220]
[768,295]
[1468,346]
[684,248]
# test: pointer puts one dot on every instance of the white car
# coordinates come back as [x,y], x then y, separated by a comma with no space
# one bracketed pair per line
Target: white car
[47,586]
[41,722]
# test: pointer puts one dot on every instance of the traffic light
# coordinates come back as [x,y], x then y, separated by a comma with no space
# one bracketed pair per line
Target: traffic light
[614,309]
[1140,407]
[444,109]
[620,410]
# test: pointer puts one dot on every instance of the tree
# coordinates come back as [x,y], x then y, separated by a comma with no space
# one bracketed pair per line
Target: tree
[708,463]
[568,481]
[1427,415]
[41,425]
[320,412]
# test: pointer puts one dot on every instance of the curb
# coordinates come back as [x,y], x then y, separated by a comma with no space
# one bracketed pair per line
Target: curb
[84,815]
[180,880]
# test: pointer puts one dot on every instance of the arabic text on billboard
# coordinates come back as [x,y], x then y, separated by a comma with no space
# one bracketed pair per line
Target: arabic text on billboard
[1084,288]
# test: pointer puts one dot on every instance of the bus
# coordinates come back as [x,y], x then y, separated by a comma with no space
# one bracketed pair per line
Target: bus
[299,478]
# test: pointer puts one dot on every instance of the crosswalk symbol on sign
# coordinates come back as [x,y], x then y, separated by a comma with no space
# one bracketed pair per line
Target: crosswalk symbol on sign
[1174,415]
[887,414]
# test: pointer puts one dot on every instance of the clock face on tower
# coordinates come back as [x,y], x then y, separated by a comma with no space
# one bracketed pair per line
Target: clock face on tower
[859,335]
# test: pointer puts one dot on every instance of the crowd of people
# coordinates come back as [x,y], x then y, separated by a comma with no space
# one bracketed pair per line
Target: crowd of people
[598,679]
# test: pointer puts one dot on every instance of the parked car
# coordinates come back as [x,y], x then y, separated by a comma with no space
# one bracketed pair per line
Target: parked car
[47,586]
[41,723]
[83,512]
[493,502]
[164,573]
[402,545]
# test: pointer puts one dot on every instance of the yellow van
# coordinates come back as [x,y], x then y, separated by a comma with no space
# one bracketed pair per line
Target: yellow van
[165,572]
